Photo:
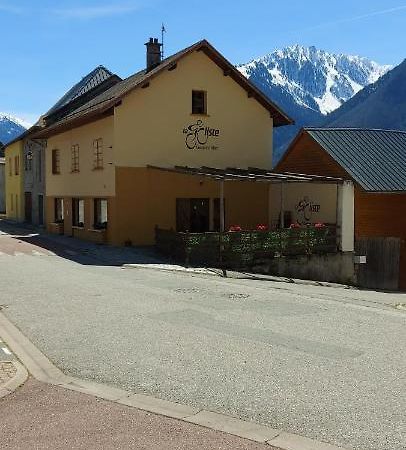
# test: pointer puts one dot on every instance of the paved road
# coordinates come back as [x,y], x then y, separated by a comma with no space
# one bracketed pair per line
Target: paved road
[327,363]
[39,417]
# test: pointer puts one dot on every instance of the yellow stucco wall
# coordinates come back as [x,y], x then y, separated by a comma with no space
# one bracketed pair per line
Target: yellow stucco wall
[324,195]
[149,123]
[148,129]
[86,182]
[147,197]
[14,183]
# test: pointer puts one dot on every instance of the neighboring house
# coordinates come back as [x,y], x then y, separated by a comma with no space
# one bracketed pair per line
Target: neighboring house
[34,181]
[32,198]
[376,161]
[107,161]
[14,181]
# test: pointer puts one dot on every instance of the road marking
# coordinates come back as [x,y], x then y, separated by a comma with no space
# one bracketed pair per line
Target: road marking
[6,350]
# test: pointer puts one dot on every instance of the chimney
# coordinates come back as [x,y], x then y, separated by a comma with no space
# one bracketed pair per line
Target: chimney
[153,53]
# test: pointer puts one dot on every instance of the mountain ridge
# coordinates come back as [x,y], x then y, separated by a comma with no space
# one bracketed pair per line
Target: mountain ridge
[387,95]
[10,128]
[308,83]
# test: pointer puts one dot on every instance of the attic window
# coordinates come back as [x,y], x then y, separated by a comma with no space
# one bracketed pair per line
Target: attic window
[199,102]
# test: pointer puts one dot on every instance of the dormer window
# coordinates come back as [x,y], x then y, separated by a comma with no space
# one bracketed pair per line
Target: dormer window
[199,102]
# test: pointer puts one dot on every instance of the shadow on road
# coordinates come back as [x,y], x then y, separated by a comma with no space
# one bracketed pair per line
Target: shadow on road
[81,252]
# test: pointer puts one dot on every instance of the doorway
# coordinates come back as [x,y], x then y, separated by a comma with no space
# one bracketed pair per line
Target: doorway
[28,207]
[40,209]
[193,215]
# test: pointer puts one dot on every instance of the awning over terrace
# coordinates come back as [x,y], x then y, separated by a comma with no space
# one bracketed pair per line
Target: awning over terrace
[250,174]
[337,196]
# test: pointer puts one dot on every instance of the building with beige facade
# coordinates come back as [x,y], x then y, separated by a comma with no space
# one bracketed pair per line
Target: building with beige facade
[105,161]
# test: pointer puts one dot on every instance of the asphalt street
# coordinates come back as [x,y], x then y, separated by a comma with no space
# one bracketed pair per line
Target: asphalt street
[326,363]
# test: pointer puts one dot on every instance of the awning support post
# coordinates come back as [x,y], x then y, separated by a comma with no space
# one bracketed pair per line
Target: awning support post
[282,212]
[222,225]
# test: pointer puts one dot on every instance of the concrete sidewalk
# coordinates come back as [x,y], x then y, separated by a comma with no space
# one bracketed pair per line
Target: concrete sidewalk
[42,416]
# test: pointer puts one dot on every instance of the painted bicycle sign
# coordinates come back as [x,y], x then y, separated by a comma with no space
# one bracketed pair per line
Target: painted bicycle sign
[198,136]
[305,208]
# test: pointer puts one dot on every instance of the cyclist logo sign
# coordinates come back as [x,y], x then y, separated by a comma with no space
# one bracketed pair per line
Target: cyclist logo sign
[200,137]
[305,208]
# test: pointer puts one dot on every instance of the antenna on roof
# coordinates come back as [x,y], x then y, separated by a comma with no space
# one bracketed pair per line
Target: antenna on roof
[163,30]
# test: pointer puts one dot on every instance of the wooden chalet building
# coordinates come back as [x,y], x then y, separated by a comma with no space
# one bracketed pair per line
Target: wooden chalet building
[376,162]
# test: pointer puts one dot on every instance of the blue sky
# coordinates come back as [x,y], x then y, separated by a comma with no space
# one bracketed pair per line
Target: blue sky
[47,46]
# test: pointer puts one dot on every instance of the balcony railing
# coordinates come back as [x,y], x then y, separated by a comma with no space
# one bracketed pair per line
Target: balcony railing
[238,249]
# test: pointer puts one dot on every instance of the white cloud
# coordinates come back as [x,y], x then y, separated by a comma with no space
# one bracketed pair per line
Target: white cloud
[95,12]
[355,18]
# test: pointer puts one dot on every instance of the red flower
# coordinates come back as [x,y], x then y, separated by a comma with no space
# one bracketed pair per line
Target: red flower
[261,227]
[295,225]
[319,225]
[235,228]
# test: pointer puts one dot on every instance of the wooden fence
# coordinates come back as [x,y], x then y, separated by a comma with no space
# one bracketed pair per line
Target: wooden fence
[238,249]
[382,267]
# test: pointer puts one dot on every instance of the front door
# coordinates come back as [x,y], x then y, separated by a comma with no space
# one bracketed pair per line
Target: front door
[40,209]
[28,207]
[193,215]
[199,215]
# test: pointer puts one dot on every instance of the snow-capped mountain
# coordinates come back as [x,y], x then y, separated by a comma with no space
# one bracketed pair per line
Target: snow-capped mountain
[10,128]
[308,83]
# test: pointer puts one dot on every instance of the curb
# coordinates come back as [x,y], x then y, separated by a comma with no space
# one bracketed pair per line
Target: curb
[43,370]
[19,379]
[234,275]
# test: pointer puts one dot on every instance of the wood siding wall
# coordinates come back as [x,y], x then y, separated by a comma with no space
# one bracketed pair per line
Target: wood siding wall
[307,156]
[376,215]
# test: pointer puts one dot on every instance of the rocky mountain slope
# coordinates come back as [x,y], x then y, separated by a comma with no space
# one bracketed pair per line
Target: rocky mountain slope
[308,83]
[380,105]
[10,128]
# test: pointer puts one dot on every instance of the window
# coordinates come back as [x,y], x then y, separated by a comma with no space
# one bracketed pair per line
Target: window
[199,102]
[12,202]
[98,153]
[59,210]
[56,162]
[28,162]
[17,165]
[75,158]
[100,213]
[10,167]
[78,212]
[39,169]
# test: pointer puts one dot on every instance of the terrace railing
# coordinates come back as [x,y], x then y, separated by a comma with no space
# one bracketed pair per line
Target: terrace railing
[237,249]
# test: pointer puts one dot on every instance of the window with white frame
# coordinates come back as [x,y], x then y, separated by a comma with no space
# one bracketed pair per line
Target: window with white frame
[100,213]
[78,212]
[59,210]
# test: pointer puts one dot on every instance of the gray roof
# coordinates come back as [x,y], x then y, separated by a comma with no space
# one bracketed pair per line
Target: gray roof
[375,159]
[87,83]
[106,100]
